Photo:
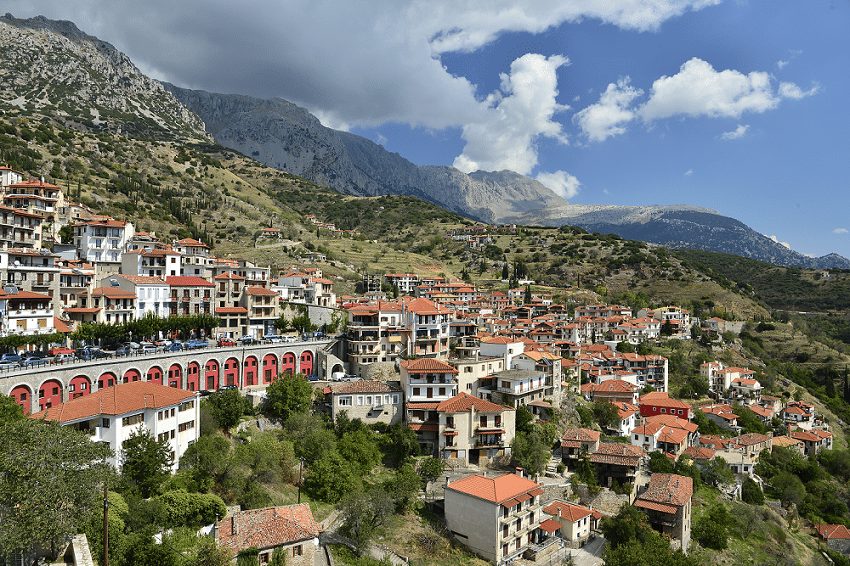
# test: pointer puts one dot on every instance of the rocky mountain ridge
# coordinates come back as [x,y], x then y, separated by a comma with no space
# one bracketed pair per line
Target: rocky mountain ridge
[52,68]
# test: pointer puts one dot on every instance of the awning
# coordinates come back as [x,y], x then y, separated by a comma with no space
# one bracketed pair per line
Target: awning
[536,491]
[510,503]
[551,526]
[493,431]
[523,497]
[655,506]
[450,433]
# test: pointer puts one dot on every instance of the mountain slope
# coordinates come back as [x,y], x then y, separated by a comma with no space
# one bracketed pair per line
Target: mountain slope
[285,136]
[52,67]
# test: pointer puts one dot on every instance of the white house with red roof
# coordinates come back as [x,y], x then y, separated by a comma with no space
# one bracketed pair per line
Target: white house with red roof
[576,522]
[112,414]
[190,295]
[156,262]
[473,430]
[498,517]
[25,313]
[290,529]
[9,176]
[153,294]
[195,257]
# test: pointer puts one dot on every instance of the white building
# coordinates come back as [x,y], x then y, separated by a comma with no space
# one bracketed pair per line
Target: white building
[102,240]
[25,312]
[112,414]
[153,294]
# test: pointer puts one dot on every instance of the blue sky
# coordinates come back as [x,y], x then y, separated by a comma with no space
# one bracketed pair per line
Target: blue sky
[734,105]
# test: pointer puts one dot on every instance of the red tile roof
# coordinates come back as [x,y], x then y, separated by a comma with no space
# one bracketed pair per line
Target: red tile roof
[362,386]
[116,400]
[112,293]
[581,435]
[143,279]
[427,365]
[617,454]
[228,275]
[25,295]
[833,532]
[464,401]
[496,489]
[568,511]
[191,243]
[188,281]
[668,489]
[699,452]
[267,528]
[231,310]
[256,291]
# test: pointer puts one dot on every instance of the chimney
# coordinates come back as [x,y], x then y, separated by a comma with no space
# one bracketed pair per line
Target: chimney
[234,525]
[519,471]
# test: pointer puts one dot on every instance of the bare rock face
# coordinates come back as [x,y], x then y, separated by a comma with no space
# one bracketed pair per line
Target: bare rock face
[52,68]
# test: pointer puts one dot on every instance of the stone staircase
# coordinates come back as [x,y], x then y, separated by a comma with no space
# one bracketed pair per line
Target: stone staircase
[552,467]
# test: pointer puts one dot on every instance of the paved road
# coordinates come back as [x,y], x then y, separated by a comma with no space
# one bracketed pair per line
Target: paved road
[590,554]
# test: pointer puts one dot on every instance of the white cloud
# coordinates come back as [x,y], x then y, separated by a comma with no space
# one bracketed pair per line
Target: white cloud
[840,230]
[794,92]
[778,241]
[700,90]
[782,63]
[522,109]
[564,184]
[689,172]
[609,116]
[735,134]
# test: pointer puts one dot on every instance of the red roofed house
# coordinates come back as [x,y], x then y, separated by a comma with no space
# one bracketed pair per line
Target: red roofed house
[112,414]
[428,324]
[25,312]
[667,504]
[658,403]
[263,307]
[110,305]
[837,537]
[290,529]
[618,462]
[498,518]
[195,257]
[576,521]
[425,383]
[375,334]
[614,390]
[578,441]
[228,305]
[799,413]
[368,400]
[813,440]
[190,295]
[154,262]
[153,295]
[473,430]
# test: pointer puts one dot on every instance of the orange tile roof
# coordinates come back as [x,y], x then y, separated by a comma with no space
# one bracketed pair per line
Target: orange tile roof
[363,386]
[699,452]
[116,400]
[231,310]
[660,398]
[191,243]
[256,291]
[581,435]
[112,293]
[495,489]
[673,421]
[271,527]
[668,489]
[617,454]
[464,401]
[833,532]
[427,365]
[228,275]
[60,325]
[568,511]
[25,295]
[188,281]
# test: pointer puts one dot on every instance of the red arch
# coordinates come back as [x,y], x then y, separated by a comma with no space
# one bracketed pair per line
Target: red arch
[269,368]
[155,375]
[287,364]
[211,375]
[80,386]
[106,379]
[193,376]
[249,373]
[22,395]
[307,363]
[132,375]
[49,394]
[175,376]
[231,372]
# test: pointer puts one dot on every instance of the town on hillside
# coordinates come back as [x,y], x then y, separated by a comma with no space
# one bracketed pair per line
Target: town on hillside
[254,411]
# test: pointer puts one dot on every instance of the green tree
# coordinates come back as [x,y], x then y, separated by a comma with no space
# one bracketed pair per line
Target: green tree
[788,488]
[625,347]
[50,483]
[227,407]
[9,410]
[524,419]
[361,449]
[282,324]
[532,450]
[181,508]
[430,469]
[659,463]
[398,443]
[403,487]
[116,517]
[667,328]
[144,550]
[363,513]
[751,492]
[331,478]
[207,461]
[289,394]
[266,458]
[712,529]
[302,323]
[605,414]
[632,542]
[207,553]
[716,472]
[145,462]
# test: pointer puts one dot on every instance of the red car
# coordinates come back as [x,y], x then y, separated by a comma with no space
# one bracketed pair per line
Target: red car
[223,342]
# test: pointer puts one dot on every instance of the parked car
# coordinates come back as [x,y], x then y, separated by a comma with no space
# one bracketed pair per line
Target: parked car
[247,339]
[273,339]
[174,347]
[123,350]
[195,343]
[89,353]
[35,361]
[63,358]
[149,348]
[225,342]
[10,358]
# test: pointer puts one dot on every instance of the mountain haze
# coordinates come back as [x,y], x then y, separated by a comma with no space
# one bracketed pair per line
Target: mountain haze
[286,136]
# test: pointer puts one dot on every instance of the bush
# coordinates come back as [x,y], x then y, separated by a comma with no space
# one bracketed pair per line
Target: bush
[751,493]
[711,530]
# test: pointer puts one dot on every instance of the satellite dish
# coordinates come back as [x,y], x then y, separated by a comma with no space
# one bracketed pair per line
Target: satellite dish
[17,263]
[113,282]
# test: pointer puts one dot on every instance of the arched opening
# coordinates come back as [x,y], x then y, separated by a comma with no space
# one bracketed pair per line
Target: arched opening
[132,375]
[175,376]
[211,375]
[337,369]
[269,368]
[307,363]
[193,376]
[80,386]
[249,373]
[23,397]
[287,364]
[49,394]
[231,372]
[106,379]
[155,375]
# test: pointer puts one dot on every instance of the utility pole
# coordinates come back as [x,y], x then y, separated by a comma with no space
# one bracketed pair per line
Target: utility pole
[105,526]
[300,475]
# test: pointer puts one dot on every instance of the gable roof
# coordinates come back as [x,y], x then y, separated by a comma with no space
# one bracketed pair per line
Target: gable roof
[119,399]
[363,386]
[566,510]
[427,365]
[188,281]
[464,401]
[668,489]
[267,528]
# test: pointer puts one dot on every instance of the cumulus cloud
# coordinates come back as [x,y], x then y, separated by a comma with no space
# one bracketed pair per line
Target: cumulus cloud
[609,116]
[351,63]
[700,90]
[564,184]
[840,230]
[735,134]
[794,92]
[689,172]
[521,110]
[774,238]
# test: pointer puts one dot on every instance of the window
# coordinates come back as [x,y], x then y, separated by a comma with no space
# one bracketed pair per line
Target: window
[297,550]
[482,421]
[133,419]
[186,426]
[105,423]
[344,401]
[187,406]
[415,391]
